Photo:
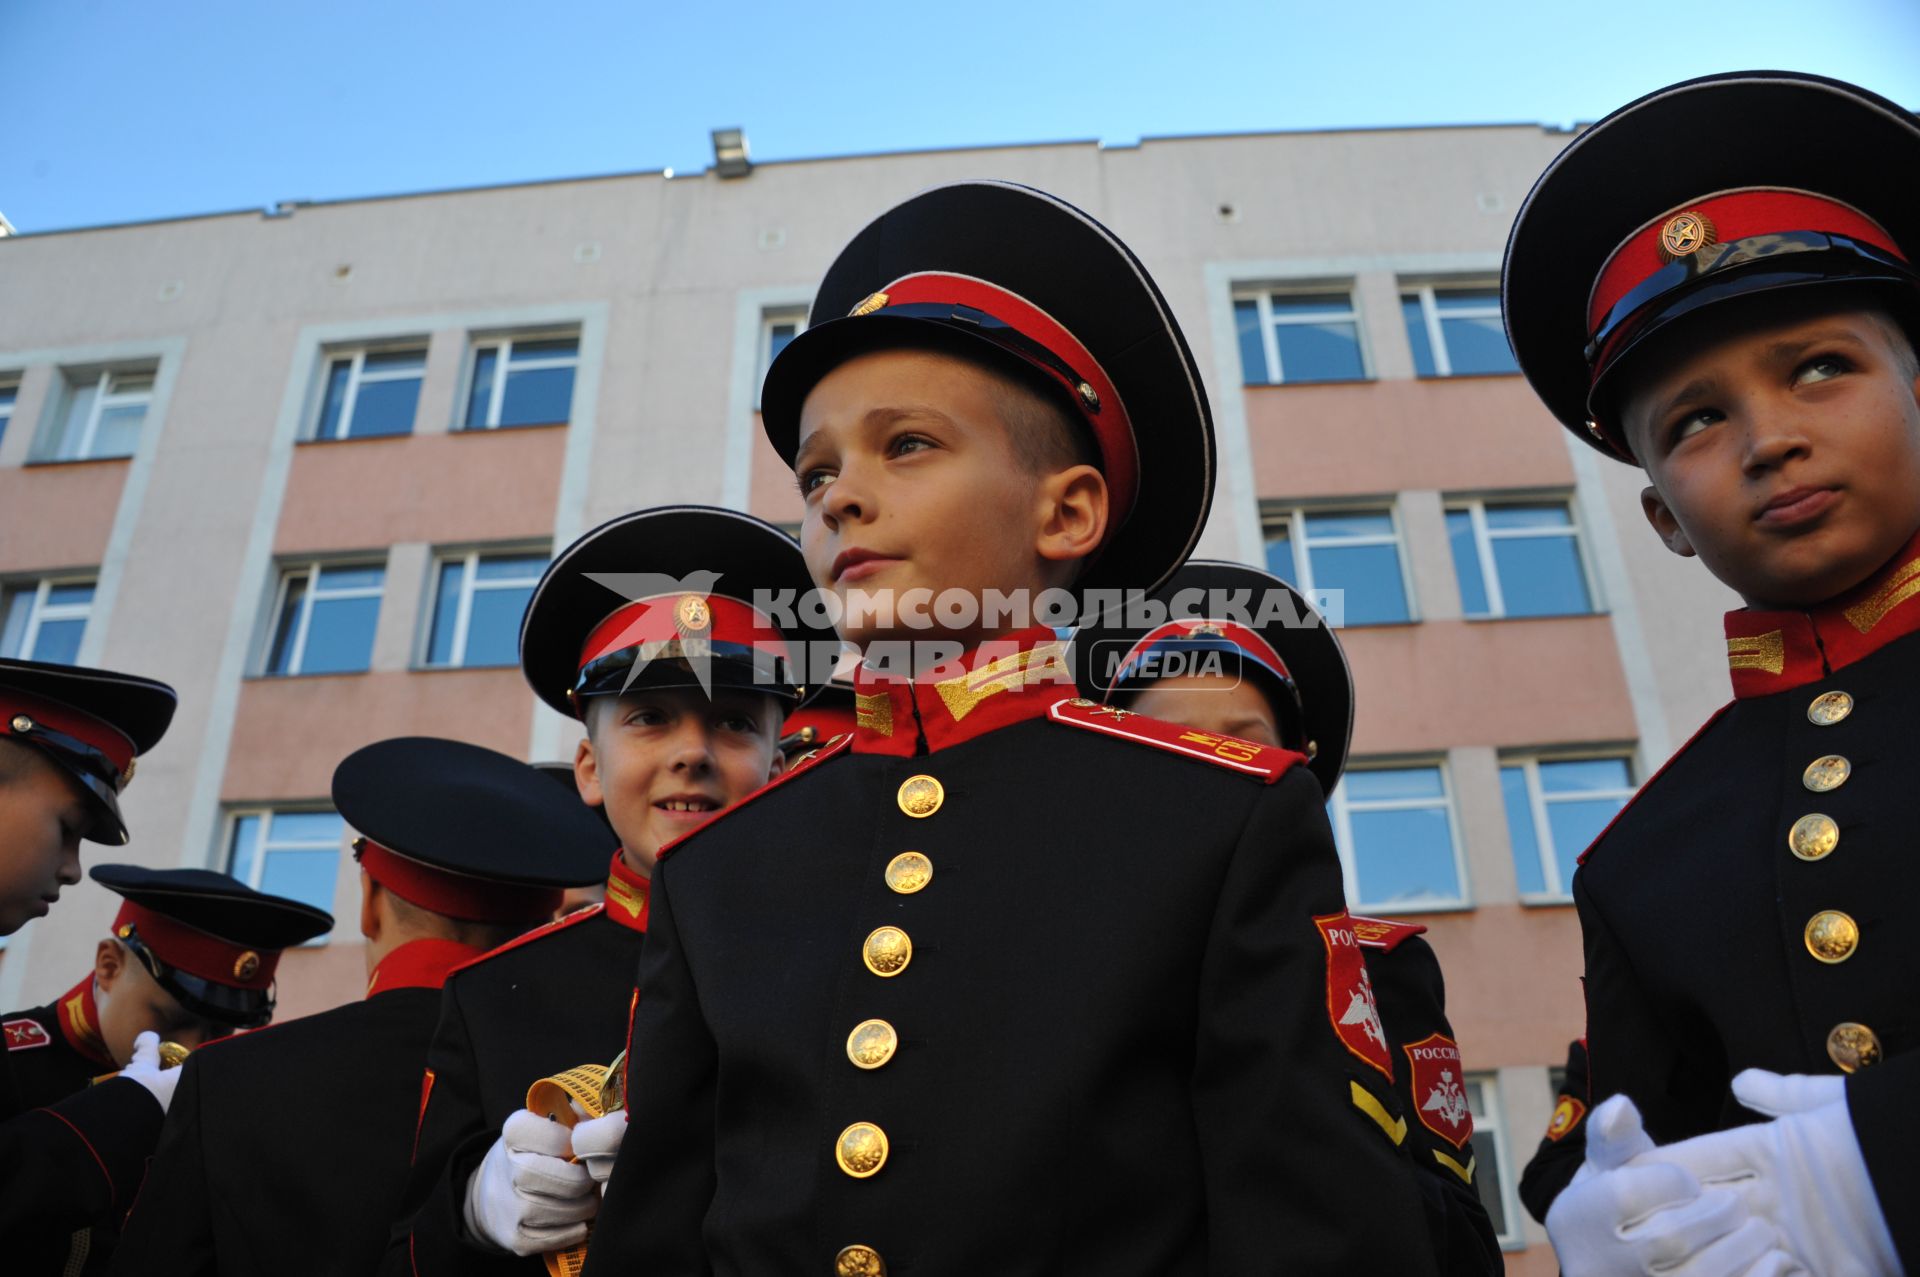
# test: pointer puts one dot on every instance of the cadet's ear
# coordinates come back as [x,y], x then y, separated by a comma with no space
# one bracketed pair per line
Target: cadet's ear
[1073,513]
[1660,516]
[109,960]
[779,763]
[370,911]
[586,773]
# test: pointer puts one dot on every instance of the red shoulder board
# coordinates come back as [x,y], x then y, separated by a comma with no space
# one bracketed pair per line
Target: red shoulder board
[807,762]
[1647,784]
[24,1035]
[1384,933]
[573,919]
[1268,762]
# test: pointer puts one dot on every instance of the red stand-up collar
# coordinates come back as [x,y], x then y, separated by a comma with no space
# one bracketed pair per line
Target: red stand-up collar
[80,1023]
[1771,652]
[1001,682]
[629,895]
[419,964]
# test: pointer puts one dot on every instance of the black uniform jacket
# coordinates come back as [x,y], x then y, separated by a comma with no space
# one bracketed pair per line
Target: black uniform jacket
[554,999]
[285,1150]
[53,1051]
[1126,1026]
[1429,1078]
[1564,1147]
[1753,907]
[69,1169]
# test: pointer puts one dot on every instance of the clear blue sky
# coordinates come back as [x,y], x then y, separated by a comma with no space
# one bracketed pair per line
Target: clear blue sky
[117,110]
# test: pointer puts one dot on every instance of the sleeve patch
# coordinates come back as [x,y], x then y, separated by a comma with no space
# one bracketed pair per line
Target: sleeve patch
[1439,1088]
[24,1035]
[1350,1006]
[1566,1116]
[1266,762]
[1385,934]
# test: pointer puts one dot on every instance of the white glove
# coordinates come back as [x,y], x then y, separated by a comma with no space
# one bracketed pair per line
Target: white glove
[596,1142]
[145,1069]
[1803,1172]
[525,1196]
[1626,1216]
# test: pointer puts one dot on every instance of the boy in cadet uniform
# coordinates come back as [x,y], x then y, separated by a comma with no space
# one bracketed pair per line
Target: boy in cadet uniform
[1245,659]
[191,954]
[286,1151]
[681,688]
[69,737]
[1001,984]
[1716,283]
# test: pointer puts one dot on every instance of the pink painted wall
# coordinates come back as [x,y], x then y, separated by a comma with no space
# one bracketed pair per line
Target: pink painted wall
[58,515]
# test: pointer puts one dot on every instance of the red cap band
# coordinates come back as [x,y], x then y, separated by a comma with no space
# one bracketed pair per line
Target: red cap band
[1238,635]
[713,617]
[455,895]
[97,732]
[198,953]
[1722,219]
[1105,415]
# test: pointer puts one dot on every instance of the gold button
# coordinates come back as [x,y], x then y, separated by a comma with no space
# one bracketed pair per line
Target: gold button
[921,796]
[859,1261]
[1853,1047]
[1829,708]
[1827,773]
[887,951]
[871,1044]
[1832,936]
[908,872]
[861,1150]
[1813,836]
[22,724]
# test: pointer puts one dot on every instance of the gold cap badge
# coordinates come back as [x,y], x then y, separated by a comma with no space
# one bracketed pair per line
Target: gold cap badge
[1684,235]
[693,614]
[246,966]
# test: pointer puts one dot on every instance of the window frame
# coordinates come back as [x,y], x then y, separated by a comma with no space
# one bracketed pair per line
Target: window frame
[771,317]
[1538,800]
[355,376]
[38,613]
[9,402]
[103,400]
[1339,814]
[1436,330]
[1262,296]
[1294,519]
[312,569]
[469,583]
[266,812]
[502,344]
[1475,507]
[1489,1117]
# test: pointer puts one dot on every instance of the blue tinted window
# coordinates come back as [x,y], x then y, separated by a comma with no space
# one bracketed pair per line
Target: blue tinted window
[384,408]
[1477,346]
[1253,350]
[58,642]
[286,628]
[1541,576]
[246,845]
[340,636]
[1368,577]
[1527,871]
[306,876]
[538,397]
[493,626]
[1280,553]
[1394,784]
[1404,857]
[446,612]
[1585,776]
[1466,563]
[480,393]
[1323,351]
[1415,317]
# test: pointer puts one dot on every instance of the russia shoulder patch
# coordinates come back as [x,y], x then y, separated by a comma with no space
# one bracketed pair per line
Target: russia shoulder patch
[25,1034]
[807,762]
[1439,1088]
[1386,934]
[1350,1006]
[1267,762]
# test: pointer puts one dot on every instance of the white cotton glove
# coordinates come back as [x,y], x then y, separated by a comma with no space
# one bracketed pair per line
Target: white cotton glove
[1803,1172]
[525,1196]
[145,1069]
[596,1142]
[1626,1216]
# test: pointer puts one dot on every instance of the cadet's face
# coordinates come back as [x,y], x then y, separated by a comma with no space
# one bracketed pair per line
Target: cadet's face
[42,818]
[666,762]
[911,482]
[1783,450]
[131,1001]
[1211,703]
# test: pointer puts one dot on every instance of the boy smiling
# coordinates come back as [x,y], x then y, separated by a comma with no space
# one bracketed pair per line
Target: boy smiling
[681,696]
[1059,1000]
[1738,319]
